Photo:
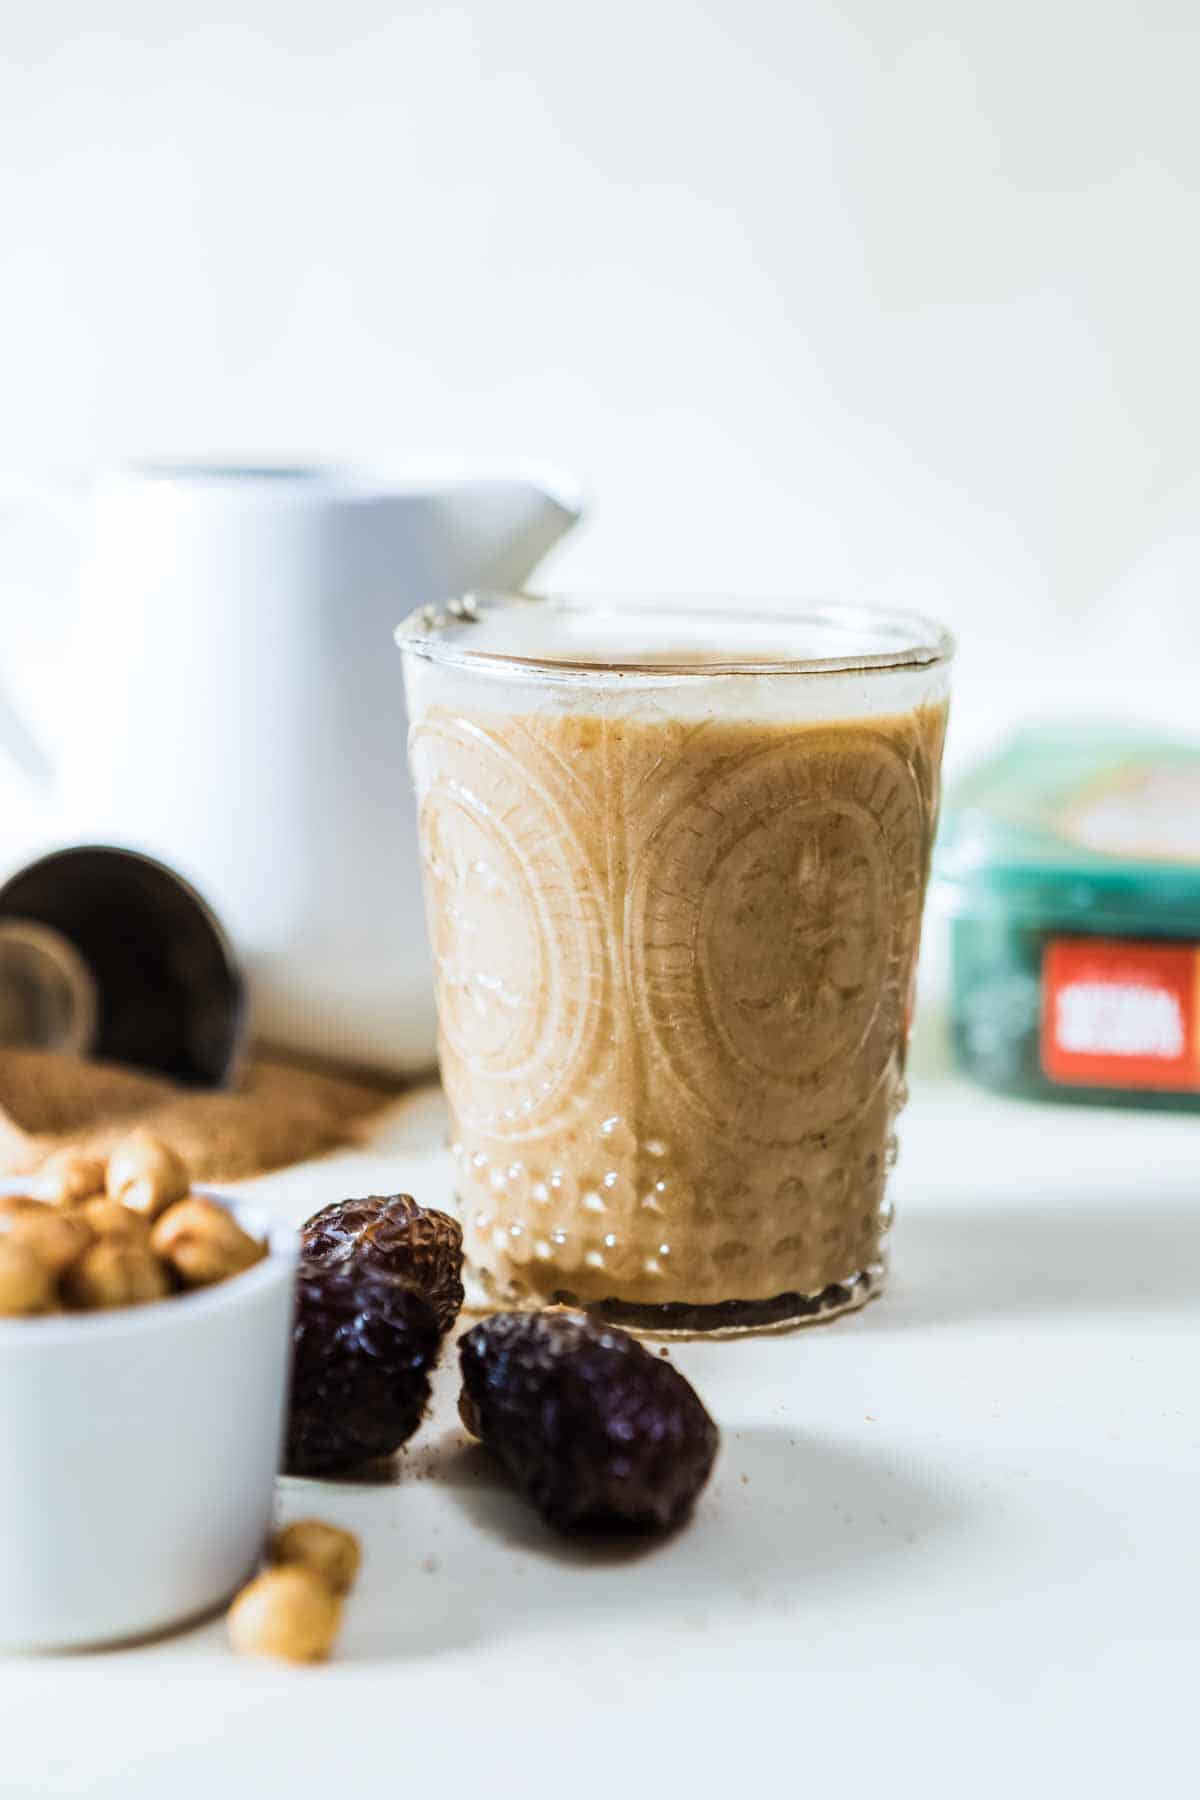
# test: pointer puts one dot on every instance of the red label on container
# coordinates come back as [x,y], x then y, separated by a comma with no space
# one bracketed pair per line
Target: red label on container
[1121,1015]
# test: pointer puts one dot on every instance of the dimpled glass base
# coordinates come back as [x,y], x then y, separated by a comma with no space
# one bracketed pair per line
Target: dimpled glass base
[727,1318]
[737,1318]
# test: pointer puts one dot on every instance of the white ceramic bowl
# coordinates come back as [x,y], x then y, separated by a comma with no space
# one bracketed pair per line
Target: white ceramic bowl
[139,1454]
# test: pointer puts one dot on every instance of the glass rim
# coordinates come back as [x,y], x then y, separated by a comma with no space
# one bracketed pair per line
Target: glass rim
[436,632]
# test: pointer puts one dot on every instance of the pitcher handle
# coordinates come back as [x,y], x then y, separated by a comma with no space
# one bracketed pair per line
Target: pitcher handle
[19,745]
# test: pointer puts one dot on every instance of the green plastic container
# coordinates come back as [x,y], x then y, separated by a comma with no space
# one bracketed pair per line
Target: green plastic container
[1069,865]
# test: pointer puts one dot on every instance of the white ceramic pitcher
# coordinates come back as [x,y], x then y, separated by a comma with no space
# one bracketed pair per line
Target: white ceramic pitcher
[228,700]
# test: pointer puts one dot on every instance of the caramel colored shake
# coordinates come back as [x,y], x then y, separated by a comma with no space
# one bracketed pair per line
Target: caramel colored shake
[674,946]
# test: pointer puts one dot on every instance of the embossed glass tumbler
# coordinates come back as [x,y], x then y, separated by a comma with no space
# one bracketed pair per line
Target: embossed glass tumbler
[675,858]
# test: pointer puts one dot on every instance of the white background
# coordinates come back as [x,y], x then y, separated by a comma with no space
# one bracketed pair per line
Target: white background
[883,296]
[876,296]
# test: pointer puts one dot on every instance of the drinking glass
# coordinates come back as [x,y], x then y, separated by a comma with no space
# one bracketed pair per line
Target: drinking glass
[675,857]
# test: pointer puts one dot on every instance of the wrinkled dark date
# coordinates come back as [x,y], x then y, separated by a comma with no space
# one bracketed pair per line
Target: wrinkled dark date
[594,1430]
[391,1233]
[363,1346]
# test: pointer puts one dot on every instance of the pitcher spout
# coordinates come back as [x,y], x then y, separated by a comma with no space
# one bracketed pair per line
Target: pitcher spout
[506,524]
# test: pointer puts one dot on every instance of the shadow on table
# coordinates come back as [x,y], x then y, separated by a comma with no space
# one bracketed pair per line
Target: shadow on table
[989,1262]
[786,1515]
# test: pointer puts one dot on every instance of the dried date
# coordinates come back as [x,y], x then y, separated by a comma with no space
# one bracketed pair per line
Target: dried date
[392,1234]
[594,1430]
[363,1345]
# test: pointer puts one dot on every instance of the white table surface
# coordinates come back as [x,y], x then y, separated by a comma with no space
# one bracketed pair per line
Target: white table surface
[951,1545]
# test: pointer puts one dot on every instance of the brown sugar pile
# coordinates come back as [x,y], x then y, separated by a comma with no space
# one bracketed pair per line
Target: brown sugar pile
[277,1113]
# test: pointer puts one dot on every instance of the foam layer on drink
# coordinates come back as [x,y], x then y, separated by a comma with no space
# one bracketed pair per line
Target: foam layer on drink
[515,655]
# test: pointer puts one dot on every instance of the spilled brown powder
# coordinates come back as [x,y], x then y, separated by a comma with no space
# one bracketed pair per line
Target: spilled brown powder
[279,1113]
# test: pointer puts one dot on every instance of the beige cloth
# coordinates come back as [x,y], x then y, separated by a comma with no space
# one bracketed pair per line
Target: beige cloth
[279,1113]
